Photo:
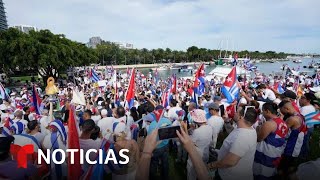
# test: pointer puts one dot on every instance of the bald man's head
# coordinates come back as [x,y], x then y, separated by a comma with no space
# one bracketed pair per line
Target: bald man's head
[287,108]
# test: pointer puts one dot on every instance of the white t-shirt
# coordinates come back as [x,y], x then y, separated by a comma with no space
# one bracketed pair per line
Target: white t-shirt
[241,142]
[105,125]
[39,136]
[44,122]
[128,124]
[96,118]
[216,122]
[307,110]
[25,122]
[269,94]
[202,138]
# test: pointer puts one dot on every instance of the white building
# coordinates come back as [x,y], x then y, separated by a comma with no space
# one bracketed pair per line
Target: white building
[25,28]
[124,45]
[94,41]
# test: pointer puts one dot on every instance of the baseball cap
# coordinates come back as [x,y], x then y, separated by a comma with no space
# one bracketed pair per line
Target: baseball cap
[217,98]
[213,106]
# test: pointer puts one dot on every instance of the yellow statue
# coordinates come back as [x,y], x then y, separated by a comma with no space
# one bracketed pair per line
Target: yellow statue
[51,89]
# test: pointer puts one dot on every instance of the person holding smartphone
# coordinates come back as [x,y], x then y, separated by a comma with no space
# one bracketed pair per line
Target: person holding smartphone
[162,151]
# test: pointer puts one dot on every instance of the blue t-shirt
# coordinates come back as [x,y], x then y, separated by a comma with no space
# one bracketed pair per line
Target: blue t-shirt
[162,123]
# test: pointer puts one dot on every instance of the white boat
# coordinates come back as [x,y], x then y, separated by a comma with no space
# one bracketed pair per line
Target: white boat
[297,61]
[185,69]
[223,71]
[161,68]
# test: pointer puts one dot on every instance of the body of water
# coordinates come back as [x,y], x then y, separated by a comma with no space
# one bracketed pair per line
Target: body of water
[263,67]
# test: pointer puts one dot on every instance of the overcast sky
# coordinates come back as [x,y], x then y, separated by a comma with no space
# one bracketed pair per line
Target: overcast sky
[280,25]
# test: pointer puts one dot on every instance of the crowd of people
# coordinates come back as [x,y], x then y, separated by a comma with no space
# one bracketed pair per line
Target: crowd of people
[268,127]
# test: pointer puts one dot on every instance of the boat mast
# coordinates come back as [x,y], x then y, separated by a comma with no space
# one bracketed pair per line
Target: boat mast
[220,47]
[226,54]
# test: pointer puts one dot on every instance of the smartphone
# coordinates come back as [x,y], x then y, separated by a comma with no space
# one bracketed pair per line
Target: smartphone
[168,132]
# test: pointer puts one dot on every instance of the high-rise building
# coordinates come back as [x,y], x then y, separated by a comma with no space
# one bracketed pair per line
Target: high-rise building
[94,41]
[25,28]
[3,18]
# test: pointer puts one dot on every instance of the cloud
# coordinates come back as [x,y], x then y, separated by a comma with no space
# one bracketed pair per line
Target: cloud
[280,25]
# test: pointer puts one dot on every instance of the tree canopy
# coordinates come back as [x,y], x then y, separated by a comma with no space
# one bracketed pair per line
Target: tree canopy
[48,54]
[41,52]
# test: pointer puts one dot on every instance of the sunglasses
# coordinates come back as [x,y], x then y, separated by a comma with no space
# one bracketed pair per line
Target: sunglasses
[246,108]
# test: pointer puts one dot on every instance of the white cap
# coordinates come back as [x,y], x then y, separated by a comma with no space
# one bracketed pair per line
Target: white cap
[13,94]
[79,108]
[104,112]
[3,107]
[99,103]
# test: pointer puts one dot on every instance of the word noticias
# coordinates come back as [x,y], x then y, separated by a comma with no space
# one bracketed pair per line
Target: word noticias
[84,156]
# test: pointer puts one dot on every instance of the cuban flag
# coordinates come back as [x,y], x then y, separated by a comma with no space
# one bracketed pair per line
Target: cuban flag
[235,59]
[3,92]
[277,87]
[166,98]
[131,92]
[230,88]
[96,171]
[36,100]
[74,170]
[94,76]
[116,90]
[7,127]
[200,74]
[195,92]
[312,119]
[174,84]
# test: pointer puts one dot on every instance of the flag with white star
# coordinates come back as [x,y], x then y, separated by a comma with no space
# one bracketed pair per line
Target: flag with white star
[230,88]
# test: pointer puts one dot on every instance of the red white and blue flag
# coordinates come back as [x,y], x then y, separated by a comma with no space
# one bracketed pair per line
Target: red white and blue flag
[200,74]
[6,131]
[74,170]
[3,92]
[230,88]
[94,76]
[36,100]
[131,92]
[174,84]
[198,88]
[166,98]
[116,91]
[312,118]
[277,87]
[235,59]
